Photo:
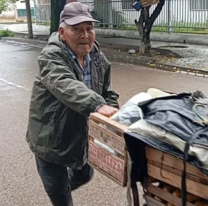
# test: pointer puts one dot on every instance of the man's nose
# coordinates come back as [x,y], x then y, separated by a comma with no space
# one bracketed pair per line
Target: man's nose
[84,34]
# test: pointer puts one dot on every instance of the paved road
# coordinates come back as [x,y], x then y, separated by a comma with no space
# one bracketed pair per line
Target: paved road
[19,182]
[193,57]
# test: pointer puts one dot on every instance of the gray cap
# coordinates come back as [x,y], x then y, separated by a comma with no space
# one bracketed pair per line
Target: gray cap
[75,13]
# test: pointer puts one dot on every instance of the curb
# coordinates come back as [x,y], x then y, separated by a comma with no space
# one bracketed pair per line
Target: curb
[161,66]
[157,36]
[144,61]
[181,38]
[34,42]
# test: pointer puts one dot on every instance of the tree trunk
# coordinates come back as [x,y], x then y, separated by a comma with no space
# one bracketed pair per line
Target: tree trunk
[56,8]
[145,45]
[145,24]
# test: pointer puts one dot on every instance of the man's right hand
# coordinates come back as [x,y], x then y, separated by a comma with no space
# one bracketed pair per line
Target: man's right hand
[107,111]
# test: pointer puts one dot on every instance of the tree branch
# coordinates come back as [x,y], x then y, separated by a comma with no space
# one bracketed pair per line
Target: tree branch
[154,15]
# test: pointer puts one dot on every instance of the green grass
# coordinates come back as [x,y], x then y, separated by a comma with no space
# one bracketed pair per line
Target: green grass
[183,27]
[6,33]
[177,27]
[43,23]
[189,30]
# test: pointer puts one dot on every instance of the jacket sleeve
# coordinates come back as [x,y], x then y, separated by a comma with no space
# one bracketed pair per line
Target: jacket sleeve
[59,79]
[109,94]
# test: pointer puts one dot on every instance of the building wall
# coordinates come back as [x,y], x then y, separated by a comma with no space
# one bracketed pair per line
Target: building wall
[21,9]
[21,4]
[10,12]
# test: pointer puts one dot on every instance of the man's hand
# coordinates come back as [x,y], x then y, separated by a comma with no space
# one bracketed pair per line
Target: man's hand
[107,111]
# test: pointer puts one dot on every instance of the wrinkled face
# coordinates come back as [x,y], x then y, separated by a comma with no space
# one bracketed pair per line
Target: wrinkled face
[79,38]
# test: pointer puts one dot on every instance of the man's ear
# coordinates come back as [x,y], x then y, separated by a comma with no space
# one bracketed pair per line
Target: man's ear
[61,33]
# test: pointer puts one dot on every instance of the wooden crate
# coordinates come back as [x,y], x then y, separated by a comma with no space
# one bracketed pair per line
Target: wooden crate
[111,134]
[146,3]
[168,169]
[163,196]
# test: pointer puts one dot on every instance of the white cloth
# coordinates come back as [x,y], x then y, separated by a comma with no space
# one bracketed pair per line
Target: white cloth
[147,129]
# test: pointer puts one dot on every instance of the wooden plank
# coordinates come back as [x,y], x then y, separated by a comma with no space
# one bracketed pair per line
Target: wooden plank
[106,174]
[146,3]
[179,172]
[107,163]
[172,161]
[149,1]
[108,122]
[152,202]
[107,137]
[175,180]
[168,197]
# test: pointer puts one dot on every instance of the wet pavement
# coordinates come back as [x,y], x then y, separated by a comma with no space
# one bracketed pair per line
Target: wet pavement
[19,182]
[192,57]
[22,28]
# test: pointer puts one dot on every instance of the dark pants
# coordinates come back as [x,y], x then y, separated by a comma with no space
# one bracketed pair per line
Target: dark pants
[59,181]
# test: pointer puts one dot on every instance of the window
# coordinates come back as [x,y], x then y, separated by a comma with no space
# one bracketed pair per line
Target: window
[127,4]
[198,4]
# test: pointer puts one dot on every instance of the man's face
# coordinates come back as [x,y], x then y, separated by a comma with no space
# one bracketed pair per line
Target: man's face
[79,38]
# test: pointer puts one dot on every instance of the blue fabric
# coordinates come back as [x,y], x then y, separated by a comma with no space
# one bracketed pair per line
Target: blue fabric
[86,70]
[137,5]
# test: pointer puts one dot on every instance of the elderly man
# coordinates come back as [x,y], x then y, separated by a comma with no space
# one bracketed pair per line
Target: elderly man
[72,81]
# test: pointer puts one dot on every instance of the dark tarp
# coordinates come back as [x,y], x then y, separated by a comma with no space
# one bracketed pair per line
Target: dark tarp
[176,114]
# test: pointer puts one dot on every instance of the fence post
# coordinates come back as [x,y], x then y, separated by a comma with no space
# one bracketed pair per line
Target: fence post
[35,11]
[110,14]
[169,17]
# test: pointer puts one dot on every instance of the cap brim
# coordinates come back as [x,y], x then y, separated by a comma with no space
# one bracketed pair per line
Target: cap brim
[79,19]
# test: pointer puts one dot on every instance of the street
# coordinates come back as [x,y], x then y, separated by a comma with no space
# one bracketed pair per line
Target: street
[19,182]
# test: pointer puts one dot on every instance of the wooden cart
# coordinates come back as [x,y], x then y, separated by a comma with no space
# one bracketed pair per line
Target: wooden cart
[162,168]
[110,133]
[168,169]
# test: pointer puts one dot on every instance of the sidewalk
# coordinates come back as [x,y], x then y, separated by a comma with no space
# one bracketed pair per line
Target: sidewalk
[175,57]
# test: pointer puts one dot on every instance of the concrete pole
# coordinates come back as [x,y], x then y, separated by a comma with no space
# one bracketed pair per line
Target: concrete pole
[29,21]
[35,10]
[110,13]
[169,18]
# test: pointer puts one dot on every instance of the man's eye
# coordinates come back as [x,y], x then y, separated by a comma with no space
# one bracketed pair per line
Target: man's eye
[76,29]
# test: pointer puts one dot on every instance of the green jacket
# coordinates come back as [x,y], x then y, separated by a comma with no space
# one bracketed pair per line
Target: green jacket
[61,103]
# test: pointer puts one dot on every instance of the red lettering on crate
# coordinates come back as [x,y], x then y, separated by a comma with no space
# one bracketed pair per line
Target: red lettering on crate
[106,161]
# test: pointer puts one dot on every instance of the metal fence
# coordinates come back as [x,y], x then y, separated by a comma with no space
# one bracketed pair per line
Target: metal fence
[190,16]
[42,10]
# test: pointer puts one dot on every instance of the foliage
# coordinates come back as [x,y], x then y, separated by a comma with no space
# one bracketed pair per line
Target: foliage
[6,33]
[101,13]
[3,5]
[144,25]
